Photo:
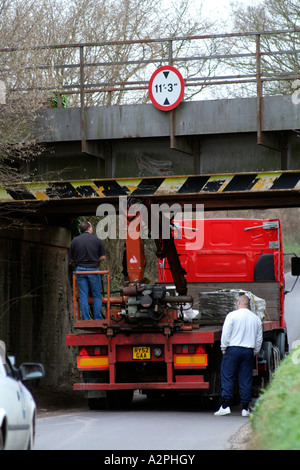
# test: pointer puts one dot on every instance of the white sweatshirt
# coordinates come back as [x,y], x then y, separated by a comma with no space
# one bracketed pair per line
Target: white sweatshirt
[242,328]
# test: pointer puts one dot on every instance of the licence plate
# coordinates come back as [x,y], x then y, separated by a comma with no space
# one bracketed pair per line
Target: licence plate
[141,352]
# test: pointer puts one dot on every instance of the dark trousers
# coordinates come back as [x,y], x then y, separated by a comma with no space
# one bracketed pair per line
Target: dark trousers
[237,362]
[88,282]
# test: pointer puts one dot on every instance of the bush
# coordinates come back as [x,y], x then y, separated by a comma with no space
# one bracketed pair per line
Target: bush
[276,416]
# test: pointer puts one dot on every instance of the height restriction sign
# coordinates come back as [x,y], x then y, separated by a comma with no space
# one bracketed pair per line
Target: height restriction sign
[166,88]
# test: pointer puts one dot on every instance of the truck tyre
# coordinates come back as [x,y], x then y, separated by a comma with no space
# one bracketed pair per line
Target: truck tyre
[96,403]
[280,343]
[1,439]
[119,399]
[267,348]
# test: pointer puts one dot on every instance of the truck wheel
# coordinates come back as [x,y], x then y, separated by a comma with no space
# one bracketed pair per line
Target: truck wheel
[258,385]
[1,439]
[280,343]
[269,358]
[119,399]
[96,403]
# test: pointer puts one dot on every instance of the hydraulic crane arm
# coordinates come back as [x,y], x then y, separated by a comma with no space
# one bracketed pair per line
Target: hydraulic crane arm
[164,242]
[166,247]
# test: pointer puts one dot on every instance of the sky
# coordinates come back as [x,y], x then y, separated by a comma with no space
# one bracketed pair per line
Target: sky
[220,7]
[217,10]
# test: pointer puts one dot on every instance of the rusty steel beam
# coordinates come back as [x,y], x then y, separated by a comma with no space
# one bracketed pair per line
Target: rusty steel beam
[145,41]
[226,191]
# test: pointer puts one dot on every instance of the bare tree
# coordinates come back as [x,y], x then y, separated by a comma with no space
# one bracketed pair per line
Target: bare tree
[279,53]
[113,55]
[18,70]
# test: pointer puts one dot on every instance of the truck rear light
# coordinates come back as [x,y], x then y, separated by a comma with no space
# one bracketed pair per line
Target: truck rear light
[188,349]
[157,351]
[190,361]
[93,351]
[93,358]
[92,362]
[189,356]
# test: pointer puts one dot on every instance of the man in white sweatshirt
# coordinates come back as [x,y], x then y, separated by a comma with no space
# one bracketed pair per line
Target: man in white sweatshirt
[241,339]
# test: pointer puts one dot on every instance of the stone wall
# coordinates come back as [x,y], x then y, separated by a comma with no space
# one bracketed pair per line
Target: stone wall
[36,299]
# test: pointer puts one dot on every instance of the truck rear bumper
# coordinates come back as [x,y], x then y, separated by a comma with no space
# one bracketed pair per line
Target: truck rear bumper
[181,385]
[181,366]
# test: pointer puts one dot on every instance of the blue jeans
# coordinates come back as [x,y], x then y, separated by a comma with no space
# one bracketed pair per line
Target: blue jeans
[88,282]
[237,362]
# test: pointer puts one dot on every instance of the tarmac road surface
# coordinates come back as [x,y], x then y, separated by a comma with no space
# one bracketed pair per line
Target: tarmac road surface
[148,425]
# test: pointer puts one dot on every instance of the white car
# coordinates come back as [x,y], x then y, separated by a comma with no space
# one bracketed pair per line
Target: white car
[17,406]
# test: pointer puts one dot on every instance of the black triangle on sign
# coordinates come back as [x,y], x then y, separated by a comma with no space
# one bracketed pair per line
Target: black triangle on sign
[166,103]
[166,74]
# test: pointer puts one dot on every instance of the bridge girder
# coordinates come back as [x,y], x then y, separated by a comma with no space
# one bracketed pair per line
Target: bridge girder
[215,192]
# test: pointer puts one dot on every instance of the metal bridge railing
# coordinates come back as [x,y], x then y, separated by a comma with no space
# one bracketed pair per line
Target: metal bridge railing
[126,66]
[118,72]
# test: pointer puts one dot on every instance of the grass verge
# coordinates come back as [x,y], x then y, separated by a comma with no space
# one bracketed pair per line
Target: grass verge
[276,417]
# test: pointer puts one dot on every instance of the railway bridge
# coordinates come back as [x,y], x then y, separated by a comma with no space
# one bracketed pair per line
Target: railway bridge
[224,152]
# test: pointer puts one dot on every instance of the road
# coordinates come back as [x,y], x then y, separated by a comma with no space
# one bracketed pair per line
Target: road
[148,425]
[154,425]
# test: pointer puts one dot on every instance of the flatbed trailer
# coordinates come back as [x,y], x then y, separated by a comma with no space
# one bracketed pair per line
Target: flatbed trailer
[157,354]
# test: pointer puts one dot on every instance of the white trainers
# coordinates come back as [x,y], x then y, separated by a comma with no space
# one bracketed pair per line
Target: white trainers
[245,413]
[223,411]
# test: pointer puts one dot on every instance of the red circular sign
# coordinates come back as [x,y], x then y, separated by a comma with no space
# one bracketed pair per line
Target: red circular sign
[166,88]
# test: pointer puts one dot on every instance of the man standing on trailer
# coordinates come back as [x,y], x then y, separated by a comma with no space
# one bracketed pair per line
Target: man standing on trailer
[87,251]
[241,339]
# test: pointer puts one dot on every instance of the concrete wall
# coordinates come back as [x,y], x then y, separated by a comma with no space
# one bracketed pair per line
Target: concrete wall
[36,299]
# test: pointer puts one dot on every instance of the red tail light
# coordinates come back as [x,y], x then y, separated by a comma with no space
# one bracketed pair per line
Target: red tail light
[188,349]
[93,351]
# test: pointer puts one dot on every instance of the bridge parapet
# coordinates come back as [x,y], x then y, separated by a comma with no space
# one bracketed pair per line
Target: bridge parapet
[97,74]
[110,131]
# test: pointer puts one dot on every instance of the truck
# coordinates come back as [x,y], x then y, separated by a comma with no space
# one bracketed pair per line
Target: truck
[164,338]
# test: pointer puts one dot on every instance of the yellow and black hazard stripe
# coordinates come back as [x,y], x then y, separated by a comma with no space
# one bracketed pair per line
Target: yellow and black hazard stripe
[152,186]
